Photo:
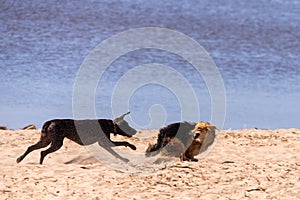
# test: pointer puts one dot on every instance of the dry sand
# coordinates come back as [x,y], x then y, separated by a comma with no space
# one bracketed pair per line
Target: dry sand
[244,164]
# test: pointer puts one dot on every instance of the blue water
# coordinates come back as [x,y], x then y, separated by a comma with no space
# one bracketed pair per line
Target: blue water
[255,45]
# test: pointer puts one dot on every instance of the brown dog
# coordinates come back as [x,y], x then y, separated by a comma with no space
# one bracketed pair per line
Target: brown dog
[204,136]
[183,139]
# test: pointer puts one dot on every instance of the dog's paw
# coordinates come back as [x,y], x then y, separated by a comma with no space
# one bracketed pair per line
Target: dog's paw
[124,160]
[132,147]
[19,160]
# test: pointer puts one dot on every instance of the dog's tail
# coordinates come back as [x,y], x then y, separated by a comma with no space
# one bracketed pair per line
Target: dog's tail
[44,128]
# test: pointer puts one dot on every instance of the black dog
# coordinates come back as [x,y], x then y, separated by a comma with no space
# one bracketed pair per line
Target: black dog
[83,132]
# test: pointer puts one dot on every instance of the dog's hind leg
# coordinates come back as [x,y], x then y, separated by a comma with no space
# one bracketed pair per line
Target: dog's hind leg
[126,144]
[55,145]
[40,144]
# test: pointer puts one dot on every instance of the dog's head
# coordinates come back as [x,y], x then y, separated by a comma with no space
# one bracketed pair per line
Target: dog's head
[204,134]
[122,127]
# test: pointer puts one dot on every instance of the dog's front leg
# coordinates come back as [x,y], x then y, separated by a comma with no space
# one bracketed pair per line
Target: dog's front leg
[126,144]
[107,144]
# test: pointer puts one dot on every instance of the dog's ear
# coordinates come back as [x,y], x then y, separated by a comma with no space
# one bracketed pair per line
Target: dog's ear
[121,118]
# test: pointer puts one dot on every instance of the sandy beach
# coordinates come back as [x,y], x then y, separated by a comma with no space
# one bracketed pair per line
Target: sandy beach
[243,164]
